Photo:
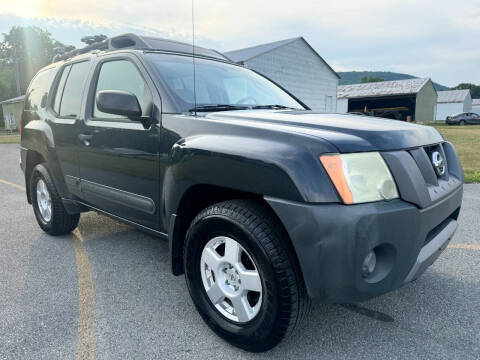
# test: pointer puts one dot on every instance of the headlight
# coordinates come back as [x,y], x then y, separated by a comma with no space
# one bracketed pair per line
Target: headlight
[359,178]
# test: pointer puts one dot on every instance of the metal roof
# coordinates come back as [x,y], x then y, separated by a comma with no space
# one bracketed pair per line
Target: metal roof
[383,88]
[246,54]
[475,101]
[13,100]
[253,51]
[452,96]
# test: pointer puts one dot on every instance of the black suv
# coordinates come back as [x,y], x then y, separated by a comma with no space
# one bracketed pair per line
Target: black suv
[463,119]
[265,204]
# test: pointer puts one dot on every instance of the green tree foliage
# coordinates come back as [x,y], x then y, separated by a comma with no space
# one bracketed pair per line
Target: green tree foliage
[31,48]
[370,79]
[474,89]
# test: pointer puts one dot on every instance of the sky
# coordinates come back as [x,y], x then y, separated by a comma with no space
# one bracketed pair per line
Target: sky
[439,39]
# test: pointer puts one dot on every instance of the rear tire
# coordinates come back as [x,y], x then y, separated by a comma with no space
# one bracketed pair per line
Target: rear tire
[462,123]
[47,204]
[283,300]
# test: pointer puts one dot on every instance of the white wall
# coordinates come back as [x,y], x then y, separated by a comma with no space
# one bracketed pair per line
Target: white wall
[467,104]
[300,71]
[476,109]
[446,109]
[342,105]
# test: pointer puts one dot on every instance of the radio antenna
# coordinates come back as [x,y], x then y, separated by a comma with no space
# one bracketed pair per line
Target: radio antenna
[193,58]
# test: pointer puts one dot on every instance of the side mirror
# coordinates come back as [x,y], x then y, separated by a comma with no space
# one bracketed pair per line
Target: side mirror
[119,103]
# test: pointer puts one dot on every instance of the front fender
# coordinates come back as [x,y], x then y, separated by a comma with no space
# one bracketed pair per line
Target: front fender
[256,165]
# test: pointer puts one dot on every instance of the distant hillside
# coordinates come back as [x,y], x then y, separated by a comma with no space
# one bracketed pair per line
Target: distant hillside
[354,77]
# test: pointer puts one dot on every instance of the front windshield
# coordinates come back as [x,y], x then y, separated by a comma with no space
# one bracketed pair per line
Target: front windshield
[217,83]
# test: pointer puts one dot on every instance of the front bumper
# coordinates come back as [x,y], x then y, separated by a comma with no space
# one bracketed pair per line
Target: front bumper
[332,240]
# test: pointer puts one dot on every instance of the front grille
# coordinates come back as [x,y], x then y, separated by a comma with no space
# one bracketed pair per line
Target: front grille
[430,150]
[416,179]
[423,159]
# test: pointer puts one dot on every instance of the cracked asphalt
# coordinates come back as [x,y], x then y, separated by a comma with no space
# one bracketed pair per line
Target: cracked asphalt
[106,292]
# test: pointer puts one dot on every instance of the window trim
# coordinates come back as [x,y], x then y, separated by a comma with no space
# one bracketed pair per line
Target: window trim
[56,83]
[93,87]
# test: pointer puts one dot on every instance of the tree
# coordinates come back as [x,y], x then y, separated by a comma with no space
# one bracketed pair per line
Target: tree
[370,79]
[24,50]
[474,89]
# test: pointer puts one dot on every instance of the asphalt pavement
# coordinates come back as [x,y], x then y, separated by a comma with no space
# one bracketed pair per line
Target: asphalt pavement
[106,292]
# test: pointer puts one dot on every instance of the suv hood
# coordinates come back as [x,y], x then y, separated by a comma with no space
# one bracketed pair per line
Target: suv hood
[348,133]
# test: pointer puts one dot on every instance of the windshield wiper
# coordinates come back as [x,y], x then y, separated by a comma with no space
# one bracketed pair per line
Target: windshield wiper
[273,106]
[219,107]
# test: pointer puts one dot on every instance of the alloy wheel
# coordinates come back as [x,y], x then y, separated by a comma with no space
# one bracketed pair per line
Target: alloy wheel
[231,279]
[44,201]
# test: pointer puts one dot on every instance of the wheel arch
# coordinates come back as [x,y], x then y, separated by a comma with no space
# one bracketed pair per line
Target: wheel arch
[32,159]
[38,144]
[199,197]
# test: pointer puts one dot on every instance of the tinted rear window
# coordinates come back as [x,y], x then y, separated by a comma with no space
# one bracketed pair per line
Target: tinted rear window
[60,87]
[72,92]
[39,87]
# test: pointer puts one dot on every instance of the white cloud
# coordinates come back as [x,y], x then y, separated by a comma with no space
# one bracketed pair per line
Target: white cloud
[372,34]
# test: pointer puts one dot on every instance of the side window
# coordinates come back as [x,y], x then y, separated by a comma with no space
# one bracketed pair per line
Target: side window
[60,87]
[72,91]
[38,88]
[120,75]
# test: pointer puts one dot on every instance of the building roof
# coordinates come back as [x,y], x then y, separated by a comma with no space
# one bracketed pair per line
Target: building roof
[246,54]
[452,96]
[383,88]
[253,51]
[475,101]
[13,100]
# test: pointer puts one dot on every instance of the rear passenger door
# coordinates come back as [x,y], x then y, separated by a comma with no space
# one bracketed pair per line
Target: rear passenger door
[118,158]
[64,114]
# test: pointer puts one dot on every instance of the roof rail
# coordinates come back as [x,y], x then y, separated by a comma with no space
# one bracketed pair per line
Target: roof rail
[133,41]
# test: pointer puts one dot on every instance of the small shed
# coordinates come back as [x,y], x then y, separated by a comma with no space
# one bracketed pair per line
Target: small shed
[411,99]
[12,111]
[476,106]
[297,67]
[453,102]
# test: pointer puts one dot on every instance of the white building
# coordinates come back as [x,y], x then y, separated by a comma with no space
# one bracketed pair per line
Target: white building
[297,67]
[476,106]
[452,102]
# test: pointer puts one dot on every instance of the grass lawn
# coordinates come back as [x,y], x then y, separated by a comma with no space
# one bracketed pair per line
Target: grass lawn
[9,139]
[466,140]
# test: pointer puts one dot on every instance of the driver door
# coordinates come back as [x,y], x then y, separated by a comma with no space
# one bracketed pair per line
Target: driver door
[119,164]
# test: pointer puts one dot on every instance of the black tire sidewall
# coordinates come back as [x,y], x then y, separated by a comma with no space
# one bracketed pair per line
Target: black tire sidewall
[37,174]
[242,334]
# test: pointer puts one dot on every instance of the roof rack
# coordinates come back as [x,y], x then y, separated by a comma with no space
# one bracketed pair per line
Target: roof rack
[139,42]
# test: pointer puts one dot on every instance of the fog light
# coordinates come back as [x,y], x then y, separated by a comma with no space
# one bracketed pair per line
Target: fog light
[369,264]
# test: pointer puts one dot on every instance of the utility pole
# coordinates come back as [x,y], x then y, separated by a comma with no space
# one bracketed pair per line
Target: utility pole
[17,70]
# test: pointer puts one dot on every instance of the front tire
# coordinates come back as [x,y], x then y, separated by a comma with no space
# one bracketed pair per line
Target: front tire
[47,204]
[242,276]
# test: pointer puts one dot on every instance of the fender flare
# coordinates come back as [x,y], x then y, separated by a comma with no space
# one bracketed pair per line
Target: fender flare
[37,137]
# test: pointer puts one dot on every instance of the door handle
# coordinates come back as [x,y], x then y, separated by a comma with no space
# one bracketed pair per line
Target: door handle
[85,138]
